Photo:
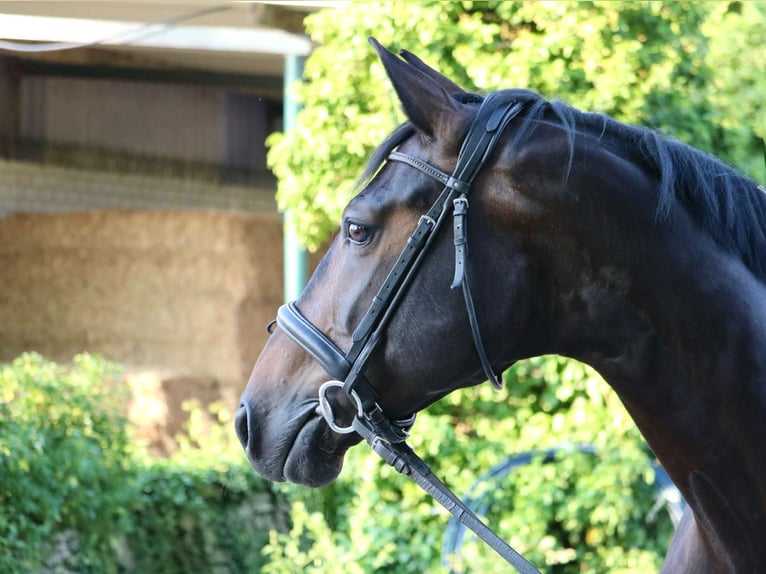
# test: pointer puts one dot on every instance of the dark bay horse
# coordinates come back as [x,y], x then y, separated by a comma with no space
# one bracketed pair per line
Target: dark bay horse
[591,239]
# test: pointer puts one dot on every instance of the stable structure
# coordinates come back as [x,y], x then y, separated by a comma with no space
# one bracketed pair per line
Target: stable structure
[137,213]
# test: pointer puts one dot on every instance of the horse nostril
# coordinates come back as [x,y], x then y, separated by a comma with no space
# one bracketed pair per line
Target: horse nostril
[242,425]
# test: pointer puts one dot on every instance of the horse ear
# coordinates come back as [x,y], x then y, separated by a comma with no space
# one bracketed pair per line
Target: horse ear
[425,101]
[438,77]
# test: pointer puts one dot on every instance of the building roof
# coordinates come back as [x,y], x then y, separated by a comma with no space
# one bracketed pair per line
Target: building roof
[238,37]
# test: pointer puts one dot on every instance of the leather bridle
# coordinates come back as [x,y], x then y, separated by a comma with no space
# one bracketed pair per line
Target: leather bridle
[385,435]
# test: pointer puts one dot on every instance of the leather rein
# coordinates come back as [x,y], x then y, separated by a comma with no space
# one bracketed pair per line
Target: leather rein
[387,436]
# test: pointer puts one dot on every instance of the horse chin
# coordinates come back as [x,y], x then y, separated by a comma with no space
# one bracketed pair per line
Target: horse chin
[316,456]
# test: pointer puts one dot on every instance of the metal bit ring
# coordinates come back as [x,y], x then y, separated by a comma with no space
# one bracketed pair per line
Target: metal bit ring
[325,408]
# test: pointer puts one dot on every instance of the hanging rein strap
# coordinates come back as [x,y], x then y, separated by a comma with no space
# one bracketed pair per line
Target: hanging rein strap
[406,461]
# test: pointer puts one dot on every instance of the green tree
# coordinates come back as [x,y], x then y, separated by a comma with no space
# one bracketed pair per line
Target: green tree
[737,57]
[79,494]
[62,443]
[692,69]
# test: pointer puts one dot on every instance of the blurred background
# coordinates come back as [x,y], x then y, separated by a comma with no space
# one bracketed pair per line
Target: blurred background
[138,214]
[169,172]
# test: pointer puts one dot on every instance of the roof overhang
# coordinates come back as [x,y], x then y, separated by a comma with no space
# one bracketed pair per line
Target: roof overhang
[242,37]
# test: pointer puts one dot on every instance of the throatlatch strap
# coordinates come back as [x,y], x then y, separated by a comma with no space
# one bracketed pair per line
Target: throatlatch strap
[461,280]
[497,111]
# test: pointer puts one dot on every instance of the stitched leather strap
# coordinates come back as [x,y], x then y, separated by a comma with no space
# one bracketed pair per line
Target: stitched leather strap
[406,461]
[460,210]
[435,173]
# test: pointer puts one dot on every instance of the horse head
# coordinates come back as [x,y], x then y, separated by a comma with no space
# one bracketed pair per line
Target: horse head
[426,349]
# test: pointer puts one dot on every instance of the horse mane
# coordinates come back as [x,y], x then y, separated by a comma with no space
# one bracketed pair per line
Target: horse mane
[722,201]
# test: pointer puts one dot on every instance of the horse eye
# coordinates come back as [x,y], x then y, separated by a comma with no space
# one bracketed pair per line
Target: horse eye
[358,233]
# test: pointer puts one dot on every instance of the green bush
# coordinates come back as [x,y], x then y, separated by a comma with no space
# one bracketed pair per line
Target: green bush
[71,476]
[63,459]
[68,465]
[582,513]
[203,509]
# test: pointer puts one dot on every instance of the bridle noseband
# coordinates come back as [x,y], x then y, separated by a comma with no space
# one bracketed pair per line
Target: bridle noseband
[385,435]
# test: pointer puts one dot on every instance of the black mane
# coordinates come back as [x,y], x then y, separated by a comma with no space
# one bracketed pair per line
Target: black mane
[727,204]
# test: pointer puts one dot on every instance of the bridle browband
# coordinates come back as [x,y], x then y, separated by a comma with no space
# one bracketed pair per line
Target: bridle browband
[387,436]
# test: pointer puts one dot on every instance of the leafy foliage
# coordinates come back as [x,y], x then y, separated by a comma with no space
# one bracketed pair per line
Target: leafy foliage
[68,465]
[61,458]
[202,509]
[737,56]
[694,70]
[580,513]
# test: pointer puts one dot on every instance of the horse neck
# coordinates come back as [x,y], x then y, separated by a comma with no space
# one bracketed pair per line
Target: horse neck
[600,233]
[680,336]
